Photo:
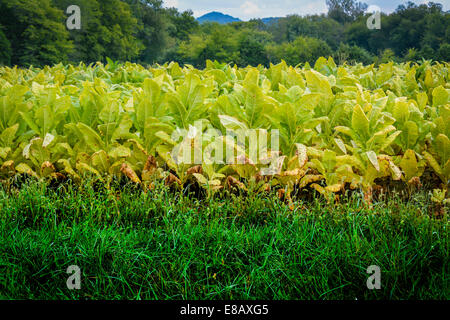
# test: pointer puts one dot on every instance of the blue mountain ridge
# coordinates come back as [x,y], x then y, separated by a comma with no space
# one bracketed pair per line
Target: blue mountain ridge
[217,17]
[221,18]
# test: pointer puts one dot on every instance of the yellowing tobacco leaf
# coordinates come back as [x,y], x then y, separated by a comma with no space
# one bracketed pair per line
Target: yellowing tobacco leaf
[360,122]
[372,156]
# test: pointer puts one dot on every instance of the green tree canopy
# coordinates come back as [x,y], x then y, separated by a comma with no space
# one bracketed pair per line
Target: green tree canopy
[5,52]
[36,32]
[301,50]
[345,10]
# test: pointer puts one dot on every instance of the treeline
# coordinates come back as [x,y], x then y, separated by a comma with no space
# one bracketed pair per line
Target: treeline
[33,32]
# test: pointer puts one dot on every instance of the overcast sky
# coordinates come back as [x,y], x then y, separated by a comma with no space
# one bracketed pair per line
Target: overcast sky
[248,9]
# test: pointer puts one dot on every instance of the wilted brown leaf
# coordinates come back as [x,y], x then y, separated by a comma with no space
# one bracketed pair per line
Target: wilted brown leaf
[129,172]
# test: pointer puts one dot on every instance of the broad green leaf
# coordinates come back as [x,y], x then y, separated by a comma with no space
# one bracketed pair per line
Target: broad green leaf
[372,156]
[232,123]
[90,137]
[200,178]
[119,152]
[433,163]
[409,164]
[340,145]
[411,132]
[389,140]
[440,96]
[401,110]
[329,160]
[443,147]
[8,135]
[360,123]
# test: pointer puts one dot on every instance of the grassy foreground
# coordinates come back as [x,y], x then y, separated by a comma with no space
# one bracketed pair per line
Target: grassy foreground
[160,245]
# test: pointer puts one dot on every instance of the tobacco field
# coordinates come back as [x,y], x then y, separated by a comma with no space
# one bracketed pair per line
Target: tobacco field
[340,127]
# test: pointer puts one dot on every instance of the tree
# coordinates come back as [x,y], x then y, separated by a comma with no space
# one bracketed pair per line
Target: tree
[35,31]
[302,50]
[216,42]
[181,27]
[5,52]
[424,28]
[444,52]
[120,26]
[252,48]
[291,27]
[152,26]
[352,54]
[89,40]
[182,24]
[345,10]
[108,29]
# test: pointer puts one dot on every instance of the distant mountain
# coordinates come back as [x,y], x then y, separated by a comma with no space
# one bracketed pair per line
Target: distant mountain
[225,18]
[270,20]
[217,17]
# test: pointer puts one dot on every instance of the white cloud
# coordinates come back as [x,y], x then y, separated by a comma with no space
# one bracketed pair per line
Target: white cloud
[250,8]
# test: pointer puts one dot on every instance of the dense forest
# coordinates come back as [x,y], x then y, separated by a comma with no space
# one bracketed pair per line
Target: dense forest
[33,32]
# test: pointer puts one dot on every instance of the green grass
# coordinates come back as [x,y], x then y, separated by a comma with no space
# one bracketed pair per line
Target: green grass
[162,245]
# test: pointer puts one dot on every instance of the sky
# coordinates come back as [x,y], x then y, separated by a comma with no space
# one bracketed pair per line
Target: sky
[248,9]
